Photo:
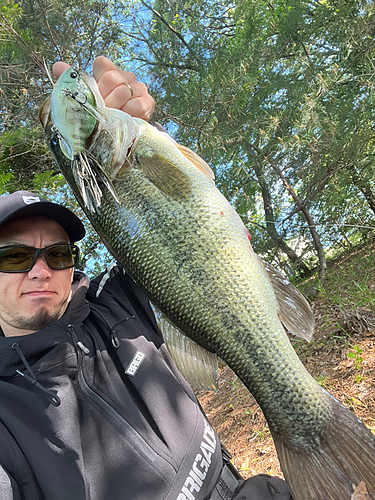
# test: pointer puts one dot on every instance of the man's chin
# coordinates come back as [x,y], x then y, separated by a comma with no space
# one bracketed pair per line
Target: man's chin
[39,320]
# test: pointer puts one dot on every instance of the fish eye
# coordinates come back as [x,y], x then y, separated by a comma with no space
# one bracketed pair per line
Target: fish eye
[54,140]
[73,74]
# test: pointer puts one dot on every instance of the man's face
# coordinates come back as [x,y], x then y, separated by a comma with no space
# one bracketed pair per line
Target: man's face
[32,300]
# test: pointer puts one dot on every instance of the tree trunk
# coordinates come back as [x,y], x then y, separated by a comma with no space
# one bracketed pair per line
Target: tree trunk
[363,187]
[271,226]
[310,221]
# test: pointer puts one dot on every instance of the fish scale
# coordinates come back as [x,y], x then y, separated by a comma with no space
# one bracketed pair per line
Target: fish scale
[175,292]
[176,235]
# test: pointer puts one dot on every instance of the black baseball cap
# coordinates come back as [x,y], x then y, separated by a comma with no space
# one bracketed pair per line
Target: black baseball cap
[24,203]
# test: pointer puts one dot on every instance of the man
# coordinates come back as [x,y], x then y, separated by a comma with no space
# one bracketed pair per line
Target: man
[91,405]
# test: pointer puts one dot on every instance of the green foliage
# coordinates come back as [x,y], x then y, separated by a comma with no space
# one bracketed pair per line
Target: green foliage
[355,354]
[288,84]
[342,312]
[356,290]
[11,11]
[323,380]
[277,97]
[262,434]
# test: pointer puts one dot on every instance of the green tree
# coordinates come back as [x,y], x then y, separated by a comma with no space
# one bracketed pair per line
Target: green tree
[278,98]
[33,35]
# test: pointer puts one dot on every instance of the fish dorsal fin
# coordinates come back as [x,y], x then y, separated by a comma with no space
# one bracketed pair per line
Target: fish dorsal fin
[294,310]
[197,161]
[165,175]
[198,366]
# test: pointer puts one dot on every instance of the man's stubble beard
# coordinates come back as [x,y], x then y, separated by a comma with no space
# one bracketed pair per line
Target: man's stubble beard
[39,320]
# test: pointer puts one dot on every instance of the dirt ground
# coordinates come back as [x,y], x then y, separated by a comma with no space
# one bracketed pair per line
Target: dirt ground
[237,418]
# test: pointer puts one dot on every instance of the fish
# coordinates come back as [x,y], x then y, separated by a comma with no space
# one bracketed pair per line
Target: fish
[73,128]
[178,236]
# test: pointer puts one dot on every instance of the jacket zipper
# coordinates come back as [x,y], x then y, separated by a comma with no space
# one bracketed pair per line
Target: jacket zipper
[139,443]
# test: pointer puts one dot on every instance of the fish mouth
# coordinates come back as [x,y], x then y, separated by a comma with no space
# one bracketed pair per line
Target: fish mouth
[78,100]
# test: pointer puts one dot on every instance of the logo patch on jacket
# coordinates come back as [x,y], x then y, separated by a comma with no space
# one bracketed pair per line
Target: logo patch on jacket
[135,363]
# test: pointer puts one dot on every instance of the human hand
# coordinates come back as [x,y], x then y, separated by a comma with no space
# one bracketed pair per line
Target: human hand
[116,95]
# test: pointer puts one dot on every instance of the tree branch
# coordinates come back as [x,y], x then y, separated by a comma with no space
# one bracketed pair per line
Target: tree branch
[164,21]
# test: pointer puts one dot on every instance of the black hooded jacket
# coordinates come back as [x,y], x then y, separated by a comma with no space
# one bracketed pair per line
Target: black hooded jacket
[93,408]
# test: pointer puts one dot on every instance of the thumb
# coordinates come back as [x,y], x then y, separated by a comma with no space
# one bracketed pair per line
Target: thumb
[59,67]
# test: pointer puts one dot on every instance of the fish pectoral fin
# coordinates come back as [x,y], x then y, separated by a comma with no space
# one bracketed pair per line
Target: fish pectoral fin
[165,175]
[197,161]
[65,148]
[294,310]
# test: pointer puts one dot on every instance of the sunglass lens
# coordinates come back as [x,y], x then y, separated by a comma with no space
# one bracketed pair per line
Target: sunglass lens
[16,258]
[61,256]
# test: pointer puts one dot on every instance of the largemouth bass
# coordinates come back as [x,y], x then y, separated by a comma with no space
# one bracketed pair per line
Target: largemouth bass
[179,237]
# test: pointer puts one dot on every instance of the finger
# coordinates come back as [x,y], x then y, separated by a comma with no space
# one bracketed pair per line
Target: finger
[140,107]
[59,67]
[121,94]
[101,65]
[111,79]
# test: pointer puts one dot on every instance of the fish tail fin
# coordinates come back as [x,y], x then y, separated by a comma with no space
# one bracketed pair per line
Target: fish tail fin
[343,460]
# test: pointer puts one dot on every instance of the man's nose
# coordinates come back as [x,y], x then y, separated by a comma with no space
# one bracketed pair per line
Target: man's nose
[40,269]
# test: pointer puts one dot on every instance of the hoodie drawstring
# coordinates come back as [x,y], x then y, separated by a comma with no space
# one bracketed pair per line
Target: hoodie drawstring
[30,377]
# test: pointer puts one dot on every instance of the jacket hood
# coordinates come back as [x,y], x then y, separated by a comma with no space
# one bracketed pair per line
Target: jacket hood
[44,347]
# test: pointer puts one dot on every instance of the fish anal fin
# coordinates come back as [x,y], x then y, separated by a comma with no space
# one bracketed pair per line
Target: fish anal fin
[166,175]
[198,366]
[294,310]
[197,161]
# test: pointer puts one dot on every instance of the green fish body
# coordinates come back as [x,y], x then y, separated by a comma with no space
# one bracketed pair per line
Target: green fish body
[74,127]
[178,236]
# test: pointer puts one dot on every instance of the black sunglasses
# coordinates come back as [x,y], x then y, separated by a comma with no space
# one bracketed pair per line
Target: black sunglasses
[21,258]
